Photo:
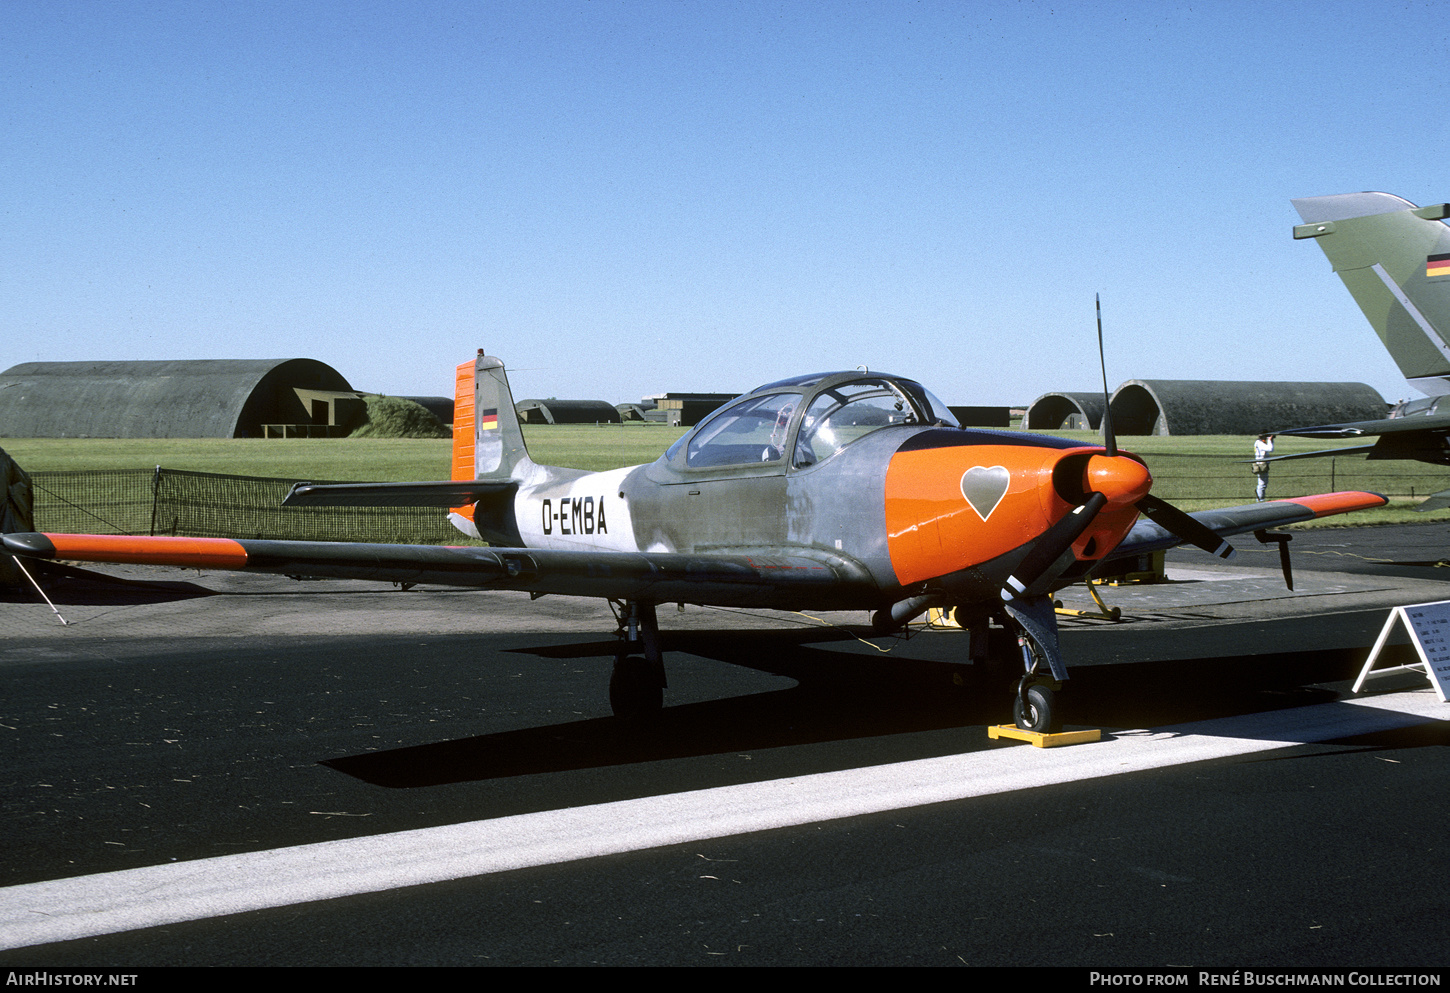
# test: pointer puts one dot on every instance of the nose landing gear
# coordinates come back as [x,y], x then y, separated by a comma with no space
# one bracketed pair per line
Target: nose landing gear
[1035,712]
[1033,707]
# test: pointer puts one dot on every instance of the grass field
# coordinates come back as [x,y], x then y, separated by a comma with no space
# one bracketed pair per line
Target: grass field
[380,459]
[580,446]
[1193,472]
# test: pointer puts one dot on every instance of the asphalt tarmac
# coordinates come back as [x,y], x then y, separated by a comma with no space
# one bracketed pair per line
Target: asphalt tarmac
[220,769]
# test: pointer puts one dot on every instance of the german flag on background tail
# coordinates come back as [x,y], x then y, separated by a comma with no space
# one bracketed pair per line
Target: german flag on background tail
[488,419]
[1437,265]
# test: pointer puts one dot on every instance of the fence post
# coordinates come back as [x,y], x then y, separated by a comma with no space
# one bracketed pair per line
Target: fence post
[1331,475]
[155,491]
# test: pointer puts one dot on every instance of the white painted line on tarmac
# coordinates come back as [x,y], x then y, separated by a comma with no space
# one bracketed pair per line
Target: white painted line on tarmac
[65,909]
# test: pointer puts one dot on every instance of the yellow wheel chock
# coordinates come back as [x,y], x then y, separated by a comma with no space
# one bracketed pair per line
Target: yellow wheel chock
[1042,740]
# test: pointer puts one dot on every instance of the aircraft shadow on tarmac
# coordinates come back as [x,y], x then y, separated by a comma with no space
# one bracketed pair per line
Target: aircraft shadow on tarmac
[840,696]
[69,586]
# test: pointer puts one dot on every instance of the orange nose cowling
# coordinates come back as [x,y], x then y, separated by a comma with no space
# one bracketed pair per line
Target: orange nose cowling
[1122,480]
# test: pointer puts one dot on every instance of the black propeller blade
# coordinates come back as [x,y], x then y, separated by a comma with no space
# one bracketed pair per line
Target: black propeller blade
[1110,440]
[1051,545]
[1175,521]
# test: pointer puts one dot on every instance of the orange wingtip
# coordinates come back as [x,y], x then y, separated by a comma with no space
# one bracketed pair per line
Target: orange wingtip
[1325,504]
[215,553]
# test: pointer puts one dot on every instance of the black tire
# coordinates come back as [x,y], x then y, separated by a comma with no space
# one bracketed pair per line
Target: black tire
[635,693]
[1039,714]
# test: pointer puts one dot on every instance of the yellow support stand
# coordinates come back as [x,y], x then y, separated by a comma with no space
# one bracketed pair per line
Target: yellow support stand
[941,617]
[1041,740]
[1104,611]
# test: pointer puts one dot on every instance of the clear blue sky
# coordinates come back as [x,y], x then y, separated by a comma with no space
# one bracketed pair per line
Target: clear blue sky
[626,198]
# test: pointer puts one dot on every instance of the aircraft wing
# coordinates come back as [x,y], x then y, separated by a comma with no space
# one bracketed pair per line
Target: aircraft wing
[801,578]
[1149,537]
[1322,453]
[1419,437]
[1432,423]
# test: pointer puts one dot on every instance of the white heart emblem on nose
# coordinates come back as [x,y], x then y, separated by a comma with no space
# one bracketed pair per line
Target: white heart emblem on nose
[984,487]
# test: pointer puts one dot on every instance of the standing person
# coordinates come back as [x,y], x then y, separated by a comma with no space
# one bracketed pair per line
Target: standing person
[1263,448]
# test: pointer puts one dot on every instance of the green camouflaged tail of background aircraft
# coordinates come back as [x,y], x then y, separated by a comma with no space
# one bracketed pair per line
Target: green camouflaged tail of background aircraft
[1394,258]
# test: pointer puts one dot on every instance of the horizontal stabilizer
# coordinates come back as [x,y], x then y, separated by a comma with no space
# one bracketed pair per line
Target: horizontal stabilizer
[445,493]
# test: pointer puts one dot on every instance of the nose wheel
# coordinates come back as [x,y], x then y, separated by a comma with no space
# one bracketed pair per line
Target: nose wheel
[1034,707]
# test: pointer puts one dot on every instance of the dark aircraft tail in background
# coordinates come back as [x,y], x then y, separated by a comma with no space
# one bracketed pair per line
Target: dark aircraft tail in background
[1394,258]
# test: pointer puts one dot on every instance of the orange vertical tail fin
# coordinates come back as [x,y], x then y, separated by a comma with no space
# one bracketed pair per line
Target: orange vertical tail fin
[463,421]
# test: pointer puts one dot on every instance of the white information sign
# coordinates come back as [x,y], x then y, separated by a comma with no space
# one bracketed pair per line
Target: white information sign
[1429,627]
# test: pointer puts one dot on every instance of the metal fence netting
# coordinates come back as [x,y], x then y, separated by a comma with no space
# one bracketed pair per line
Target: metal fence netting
[214,505]
[1228,479]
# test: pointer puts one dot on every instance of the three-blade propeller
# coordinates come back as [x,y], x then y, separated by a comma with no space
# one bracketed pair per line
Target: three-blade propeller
[1113,479]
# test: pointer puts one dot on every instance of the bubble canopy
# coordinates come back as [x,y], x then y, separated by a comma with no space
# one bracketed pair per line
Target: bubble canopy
[804,420]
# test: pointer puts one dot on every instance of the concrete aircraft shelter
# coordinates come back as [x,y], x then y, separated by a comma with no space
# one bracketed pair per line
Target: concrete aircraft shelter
[567,412]
[1065,412]
[206,398]
[1192,406]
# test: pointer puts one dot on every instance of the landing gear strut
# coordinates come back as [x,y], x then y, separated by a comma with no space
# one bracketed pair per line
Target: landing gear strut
[1029,625]
[636,687]
[1034,708]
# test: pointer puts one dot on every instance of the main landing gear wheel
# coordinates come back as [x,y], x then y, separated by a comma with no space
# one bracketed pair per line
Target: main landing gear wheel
[635,693]
[1033,709]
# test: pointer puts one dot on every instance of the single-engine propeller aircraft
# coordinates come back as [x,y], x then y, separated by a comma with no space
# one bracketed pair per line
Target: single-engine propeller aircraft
[834,491]
[1394,258]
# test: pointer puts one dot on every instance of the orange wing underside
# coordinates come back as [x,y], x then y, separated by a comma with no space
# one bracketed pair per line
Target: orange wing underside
[191,553]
